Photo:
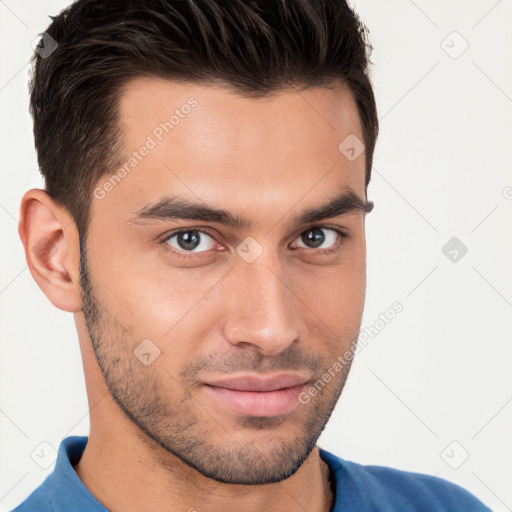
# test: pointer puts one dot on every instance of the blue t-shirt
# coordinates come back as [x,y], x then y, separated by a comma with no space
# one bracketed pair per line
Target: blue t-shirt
[357,488]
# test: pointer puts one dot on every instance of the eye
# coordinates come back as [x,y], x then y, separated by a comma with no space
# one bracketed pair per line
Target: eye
[321,237]
[185,242]
[190,240]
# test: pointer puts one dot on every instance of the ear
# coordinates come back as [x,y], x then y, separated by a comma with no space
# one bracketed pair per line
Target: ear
[52,250]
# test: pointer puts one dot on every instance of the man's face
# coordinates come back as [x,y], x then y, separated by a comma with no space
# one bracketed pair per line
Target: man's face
[269,295]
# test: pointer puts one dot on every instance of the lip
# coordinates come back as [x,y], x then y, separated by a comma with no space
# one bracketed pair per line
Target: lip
[260,383]
[256,395]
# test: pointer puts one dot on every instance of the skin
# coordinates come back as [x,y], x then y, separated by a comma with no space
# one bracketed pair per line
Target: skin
[157,440]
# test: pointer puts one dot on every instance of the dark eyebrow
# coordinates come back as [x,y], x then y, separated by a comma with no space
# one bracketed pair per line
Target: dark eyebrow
[174,207]
[346,202]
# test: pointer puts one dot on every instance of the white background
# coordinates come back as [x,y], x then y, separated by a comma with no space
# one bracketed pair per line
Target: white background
[436,380]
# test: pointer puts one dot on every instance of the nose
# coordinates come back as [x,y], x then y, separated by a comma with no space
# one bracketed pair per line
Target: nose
[261,307]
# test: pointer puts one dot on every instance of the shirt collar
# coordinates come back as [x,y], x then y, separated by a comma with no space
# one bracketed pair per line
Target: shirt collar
[346,489]
[63,485]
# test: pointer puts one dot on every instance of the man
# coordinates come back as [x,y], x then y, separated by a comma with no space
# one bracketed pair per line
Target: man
[206,166]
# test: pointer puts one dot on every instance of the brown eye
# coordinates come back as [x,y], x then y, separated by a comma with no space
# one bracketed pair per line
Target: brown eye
[190,240]
[319,237]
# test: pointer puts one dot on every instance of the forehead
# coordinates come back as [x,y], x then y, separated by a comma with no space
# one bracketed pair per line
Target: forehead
[228,121]
[205,142]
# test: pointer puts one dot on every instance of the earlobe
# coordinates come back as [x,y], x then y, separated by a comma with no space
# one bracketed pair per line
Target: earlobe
[50,238]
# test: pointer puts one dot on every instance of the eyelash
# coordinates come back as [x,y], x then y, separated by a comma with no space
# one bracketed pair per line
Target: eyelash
[184,255]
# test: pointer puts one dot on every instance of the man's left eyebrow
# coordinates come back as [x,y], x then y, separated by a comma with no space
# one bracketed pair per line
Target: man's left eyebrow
[346,202]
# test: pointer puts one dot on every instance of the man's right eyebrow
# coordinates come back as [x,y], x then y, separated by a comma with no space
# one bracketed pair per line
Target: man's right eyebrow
[173,207]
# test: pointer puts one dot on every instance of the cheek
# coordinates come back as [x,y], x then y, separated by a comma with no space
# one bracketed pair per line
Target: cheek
[337,297]
[336,294]
[156,301]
